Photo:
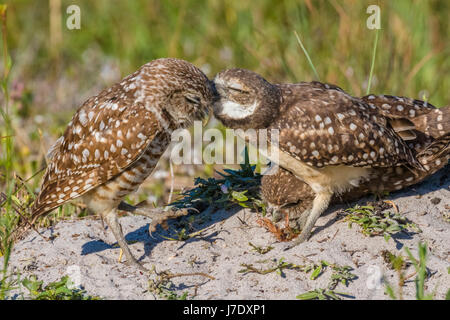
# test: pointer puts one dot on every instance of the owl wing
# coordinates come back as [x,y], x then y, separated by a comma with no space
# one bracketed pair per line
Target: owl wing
[325,126]
[416,121]
[107,134]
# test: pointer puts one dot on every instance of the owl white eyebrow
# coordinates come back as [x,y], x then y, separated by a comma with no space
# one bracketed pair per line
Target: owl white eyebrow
[237,111]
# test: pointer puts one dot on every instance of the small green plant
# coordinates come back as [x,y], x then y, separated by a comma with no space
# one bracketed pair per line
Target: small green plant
[165,291]
[321,294]
[237,187]
[377,222]
[164,287]
[399,263]
[341,274]
[58,290]
[421,271]
[260,250]
[279,265]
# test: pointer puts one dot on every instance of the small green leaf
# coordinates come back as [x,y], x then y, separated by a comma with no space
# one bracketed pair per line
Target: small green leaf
[239,196]
[316,272]
[390,292]
[307,295]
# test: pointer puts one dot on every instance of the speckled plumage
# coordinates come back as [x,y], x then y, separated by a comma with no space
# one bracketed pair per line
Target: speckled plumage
[332,142]
[285,194]
[116,138]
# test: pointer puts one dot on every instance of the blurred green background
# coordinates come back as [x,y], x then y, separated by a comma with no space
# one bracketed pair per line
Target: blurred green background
[55,69]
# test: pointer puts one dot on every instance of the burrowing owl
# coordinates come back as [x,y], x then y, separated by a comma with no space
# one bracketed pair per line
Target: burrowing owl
[425,134]
[328,139]
[116,138]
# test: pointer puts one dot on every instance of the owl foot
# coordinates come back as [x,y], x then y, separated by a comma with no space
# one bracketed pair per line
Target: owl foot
[300,239]
[112,221]
[276,214]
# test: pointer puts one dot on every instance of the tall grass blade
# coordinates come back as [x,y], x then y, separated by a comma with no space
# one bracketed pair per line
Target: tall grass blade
[307,55]
[372,66]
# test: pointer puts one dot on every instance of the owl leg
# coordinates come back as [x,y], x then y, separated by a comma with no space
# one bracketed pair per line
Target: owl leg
[320,204]
[112,221]
[301,222]
[298,213]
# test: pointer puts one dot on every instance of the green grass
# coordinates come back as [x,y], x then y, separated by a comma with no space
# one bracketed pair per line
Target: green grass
[57,290]
[161,285]
[340,275]
[307,56]
[376,222]
[372,66]
[8,219]
[398,263]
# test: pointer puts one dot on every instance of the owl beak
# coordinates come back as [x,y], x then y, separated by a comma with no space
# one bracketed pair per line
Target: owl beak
[206,119]
[214,90]
[215,98]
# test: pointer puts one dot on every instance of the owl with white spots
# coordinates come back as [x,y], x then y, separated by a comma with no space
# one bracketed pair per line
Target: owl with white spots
[116,138]
[332,144]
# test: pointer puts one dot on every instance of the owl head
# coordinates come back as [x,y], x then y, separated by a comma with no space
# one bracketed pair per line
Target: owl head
[245,99]
[182,90]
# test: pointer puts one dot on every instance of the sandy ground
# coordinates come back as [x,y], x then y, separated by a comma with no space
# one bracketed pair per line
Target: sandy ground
[84,250]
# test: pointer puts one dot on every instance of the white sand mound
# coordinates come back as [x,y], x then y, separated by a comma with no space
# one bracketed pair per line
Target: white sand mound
[84,250]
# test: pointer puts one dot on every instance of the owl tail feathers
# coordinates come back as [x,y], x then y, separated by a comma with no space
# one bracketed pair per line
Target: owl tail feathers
[28,222]
[38,210]
[42,205]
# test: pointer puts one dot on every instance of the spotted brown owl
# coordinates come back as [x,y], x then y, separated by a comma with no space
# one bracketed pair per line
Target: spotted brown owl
[116,138]
[331,141]
[425,134]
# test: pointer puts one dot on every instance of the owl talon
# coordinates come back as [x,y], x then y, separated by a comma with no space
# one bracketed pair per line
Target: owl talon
[300,239]
[276,215]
